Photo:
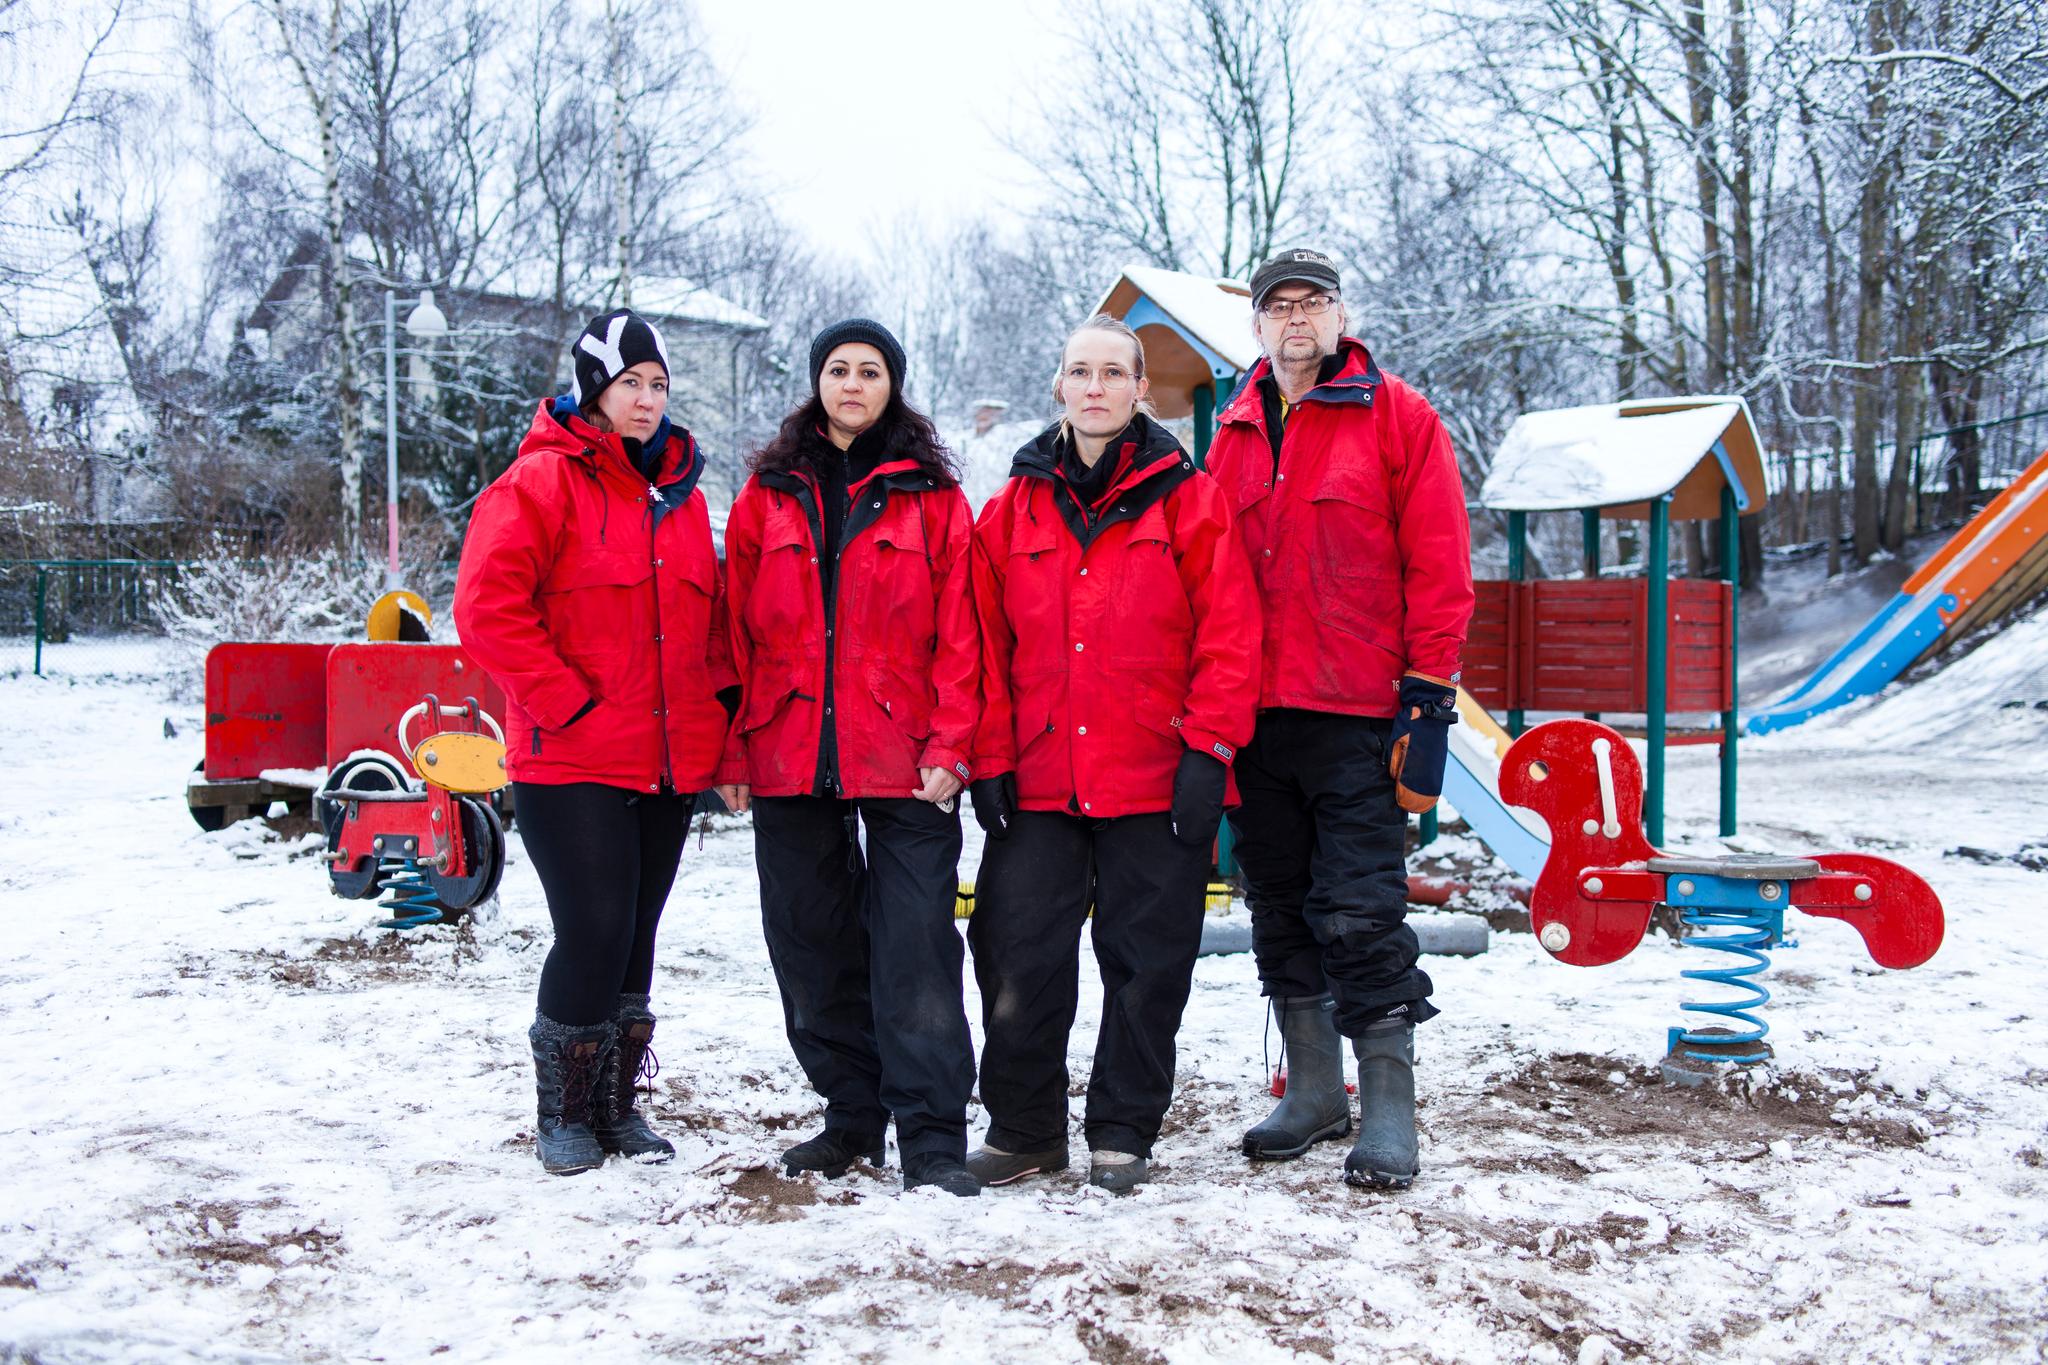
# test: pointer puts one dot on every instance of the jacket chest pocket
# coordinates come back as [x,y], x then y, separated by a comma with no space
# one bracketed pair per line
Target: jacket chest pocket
[1153,623]
[1354,524]
[784,605]
[893,583]
[1355,570]
[1036,592]
[592,602]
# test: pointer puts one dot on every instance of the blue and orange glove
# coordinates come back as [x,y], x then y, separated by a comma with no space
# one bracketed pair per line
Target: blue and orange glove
[1422,740]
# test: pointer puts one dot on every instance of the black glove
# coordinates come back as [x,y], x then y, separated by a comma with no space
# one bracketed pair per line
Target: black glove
[1422,741]
[1198,788]
[995,803]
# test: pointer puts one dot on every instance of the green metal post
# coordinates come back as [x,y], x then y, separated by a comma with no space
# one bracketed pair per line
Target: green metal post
[1659,662]
[1426,834]
[42,595]
[1518,569]
[1205,423]
[1731,569]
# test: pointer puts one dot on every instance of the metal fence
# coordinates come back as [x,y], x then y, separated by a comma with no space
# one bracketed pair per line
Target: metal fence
[80,617]
[1809,488]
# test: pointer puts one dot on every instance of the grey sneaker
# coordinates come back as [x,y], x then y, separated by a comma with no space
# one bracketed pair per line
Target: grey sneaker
[994,1166]
[1117,1172]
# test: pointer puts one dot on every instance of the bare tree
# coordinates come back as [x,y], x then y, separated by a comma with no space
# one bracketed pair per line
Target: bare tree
[1186,133]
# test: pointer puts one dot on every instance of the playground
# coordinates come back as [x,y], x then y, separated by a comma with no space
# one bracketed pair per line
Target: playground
[248,1125]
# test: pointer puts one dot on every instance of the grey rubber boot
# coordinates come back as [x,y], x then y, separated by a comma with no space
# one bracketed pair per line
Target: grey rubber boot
[620,1128]
[1118,1172]
[1384,1155]
[1315,1107]
[567,1063]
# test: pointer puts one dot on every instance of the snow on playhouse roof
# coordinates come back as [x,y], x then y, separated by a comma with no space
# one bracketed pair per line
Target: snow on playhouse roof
[1618,456]
[1196,329]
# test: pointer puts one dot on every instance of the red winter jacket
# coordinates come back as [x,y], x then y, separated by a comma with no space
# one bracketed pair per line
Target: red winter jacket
[1116,636]
[574,589]
[892,667]
[1357,534]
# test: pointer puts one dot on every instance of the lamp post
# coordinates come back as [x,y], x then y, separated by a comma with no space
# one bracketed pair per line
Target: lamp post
[427,323]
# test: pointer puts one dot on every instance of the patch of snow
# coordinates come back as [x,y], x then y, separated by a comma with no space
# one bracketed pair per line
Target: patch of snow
[242,1124]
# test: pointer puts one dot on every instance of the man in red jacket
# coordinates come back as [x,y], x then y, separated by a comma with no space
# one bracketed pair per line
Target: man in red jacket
[1352,512]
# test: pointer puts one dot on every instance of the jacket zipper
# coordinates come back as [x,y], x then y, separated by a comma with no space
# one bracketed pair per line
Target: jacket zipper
[668,775]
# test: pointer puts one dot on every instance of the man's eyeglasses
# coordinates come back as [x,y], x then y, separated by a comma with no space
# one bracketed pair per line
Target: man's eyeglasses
[1315,305]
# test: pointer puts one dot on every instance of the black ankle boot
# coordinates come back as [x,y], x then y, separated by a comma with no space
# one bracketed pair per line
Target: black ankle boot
[832,1153]
[1314,1108]
[940,1170]
[619,1127]
[566,1063]
[1384,1154]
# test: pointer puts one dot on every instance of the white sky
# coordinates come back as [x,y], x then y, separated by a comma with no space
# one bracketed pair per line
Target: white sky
[867,114]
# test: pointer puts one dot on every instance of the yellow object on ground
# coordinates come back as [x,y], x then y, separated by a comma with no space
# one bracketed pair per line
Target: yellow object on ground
[1216,900]
[400,615]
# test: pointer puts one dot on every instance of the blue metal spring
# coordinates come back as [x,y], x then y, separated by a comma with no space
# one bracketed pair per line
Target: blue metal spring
[406,893]
[1750,932]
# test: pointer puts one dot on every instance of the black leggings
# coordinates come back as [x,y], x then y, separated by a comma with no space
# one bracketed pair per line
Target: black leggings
[606,858]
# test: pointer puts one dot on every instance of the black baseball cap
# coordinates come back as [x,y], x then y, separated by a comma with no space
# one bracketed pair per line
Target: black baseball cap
[1298,266]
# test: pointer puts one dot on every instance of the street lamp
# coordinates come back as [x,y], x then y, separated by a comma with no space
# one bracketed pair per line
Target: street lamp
[427,323]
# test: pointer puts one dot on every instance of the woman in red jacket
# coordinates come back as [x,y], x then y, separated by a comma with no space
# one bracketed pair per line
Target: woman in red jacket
[588,590]
[851,616]
[1120,647]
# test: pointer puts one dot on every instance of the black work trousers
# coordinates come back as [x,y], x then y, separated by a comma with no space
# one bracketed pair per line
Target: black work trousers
[867,956]
[1031,898]
[1321,841]
[606,858]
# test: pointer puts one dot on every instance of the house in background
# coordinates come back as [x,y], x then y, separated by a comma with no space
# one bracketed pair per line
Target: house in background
[68,400]
[511,327]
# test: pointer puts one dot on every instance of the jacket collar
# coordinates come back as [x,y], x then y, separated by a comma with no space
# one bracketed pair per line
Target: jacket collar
[1355,380]
[1144,451]
[560,426]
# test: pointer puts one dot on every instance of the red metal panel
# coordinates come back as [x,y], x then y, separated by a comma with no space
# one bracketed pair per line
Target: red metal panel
[266,707]
[371,686]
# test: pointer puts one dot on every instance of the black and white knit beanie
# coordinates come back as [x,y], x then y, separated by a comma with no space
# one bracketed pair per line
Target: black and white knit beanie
[610,346]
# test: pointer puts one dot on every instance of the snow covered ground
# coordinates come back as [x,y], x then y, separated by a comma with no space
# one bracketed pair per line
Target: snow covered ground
[241,1124]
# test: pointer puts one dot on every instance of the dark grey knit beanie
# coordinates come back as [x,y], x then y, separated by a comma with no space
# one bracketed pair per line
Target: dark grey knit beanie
[858,329]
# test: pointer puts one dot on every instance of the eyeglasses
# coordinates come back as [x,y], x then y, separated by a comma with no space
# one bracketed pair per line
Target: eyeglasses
[1315,305]
[1114,378]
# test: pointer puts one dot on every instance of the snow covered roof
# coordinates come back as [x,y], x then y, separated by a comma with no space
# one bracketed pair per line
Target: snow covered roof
[1618,456]
[57,332]
[660,296]
[1197,330]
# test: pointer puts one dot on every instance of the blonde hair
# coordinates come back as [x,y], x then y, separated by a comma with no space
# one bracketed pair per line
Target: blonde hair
[1101,322]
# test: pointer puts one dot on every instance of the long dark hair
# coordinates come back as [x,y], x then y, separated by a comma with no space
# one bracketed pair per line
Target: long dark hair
[905,432]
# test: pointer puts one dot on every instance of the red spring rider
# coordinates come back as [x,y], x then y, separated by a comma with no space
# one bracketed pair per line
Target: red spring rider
[1603,879]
